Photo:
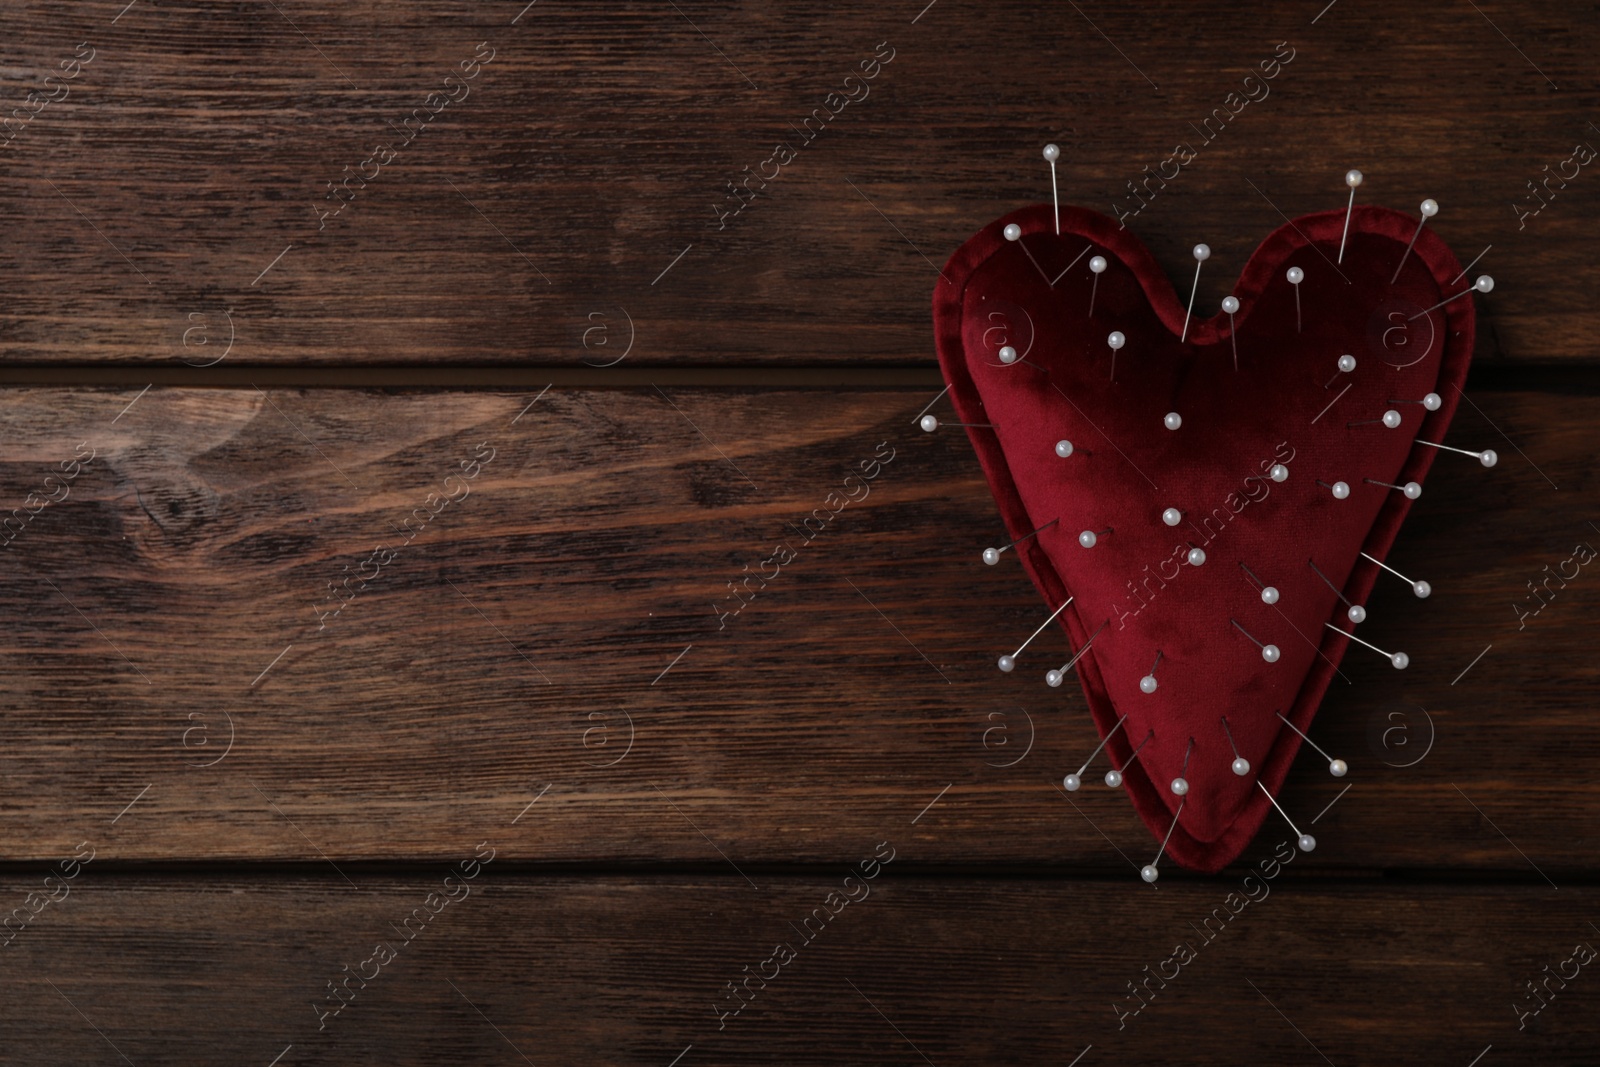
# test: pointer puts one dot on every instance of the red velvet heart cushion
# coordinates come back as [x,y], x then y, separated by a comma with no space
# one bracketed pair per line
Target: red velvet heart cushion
[1287,403]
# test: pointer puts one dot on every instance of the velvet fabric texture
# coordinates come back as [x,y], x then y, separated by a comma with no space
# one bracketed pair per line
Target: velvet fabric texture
[1288,403]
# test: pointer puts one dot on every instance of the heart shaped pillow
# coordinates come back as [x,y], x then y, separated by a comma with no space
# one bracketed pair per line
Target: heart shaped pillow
[1203,500]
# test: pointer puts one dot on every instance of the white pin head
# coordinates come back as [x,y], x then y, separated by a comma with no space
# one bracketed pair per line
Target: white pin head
[1296,275]
[1063,448]
[1008,355]
[1391,418]
[1400,660]
[1347,363]
[1089,538]
[929,423]
[1269,594]
[1240,765]
[1113,779]
[1052,153]
[1338,768]
[1197,557]
[1116,340]
[1278,473]
[1230,304]
[1412,490]
[1307,842]
[1488,457]
[1429,208]
[1422,589]
[1433,401]
[1172,420]
[1352,178]
[1357,613]
[1148,683]
[1012,231]
[1341,490]
[1052,678]
[1484,283]
[1150,873]
[991,556]
[1008,663]
[1270,653]
[1180,784]
[1072,782]
[1097,264]
[1172,516]
[1202,252]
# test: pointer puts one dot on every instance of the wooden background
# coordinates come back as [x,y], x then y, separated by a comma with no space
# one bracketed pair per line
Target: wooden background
[540,277]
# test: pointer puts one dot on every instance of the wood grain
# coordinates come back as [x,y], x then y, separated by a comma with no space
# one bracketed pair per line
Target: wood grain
[578,970]
[496,660]
[179,183]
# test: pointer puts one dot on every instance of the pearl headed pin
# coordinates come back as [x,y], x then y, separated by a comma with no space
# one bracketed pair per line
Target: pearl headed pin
[1346,365]
[1241,766]
[1484,284]
[1269,594]
[1013,233]
[1063,448]
[991,556]
[1390,420]
[1201,254]
[1340,490]
[1172,516]
[1268,652]
[1412,490]
[1429,209]
[1010,357]
[1355,612]
[1336,767]
[1180,784]
[1097,267]
[1147,684]
[1306,842]
[1172,420]
[1007,663]
[1432,401]
[1051,154]
[1296,276]
[1150,873]
[1399,659]
[930,424]
[1488,457]
[1230,304]
[1421,589]
[1114,776]
[1054,678]
[1116,341]
[1352,178]
[1090,538]
[1074,781]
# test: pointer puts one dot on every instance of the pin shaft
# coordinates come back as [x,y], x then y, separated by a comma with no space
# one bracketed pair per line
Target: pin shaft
[1040,630]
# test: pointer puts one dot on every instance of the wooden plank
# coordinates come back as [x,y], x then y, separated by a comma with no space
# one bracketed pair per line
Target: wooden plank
[169,197]
[626,971]
[562,635]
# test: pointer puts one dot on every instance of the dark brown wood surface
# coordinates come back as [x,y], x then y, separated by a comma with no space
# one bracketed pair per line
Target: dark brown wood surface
[152,203]
[179,598]
[942,970]
[550,663]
